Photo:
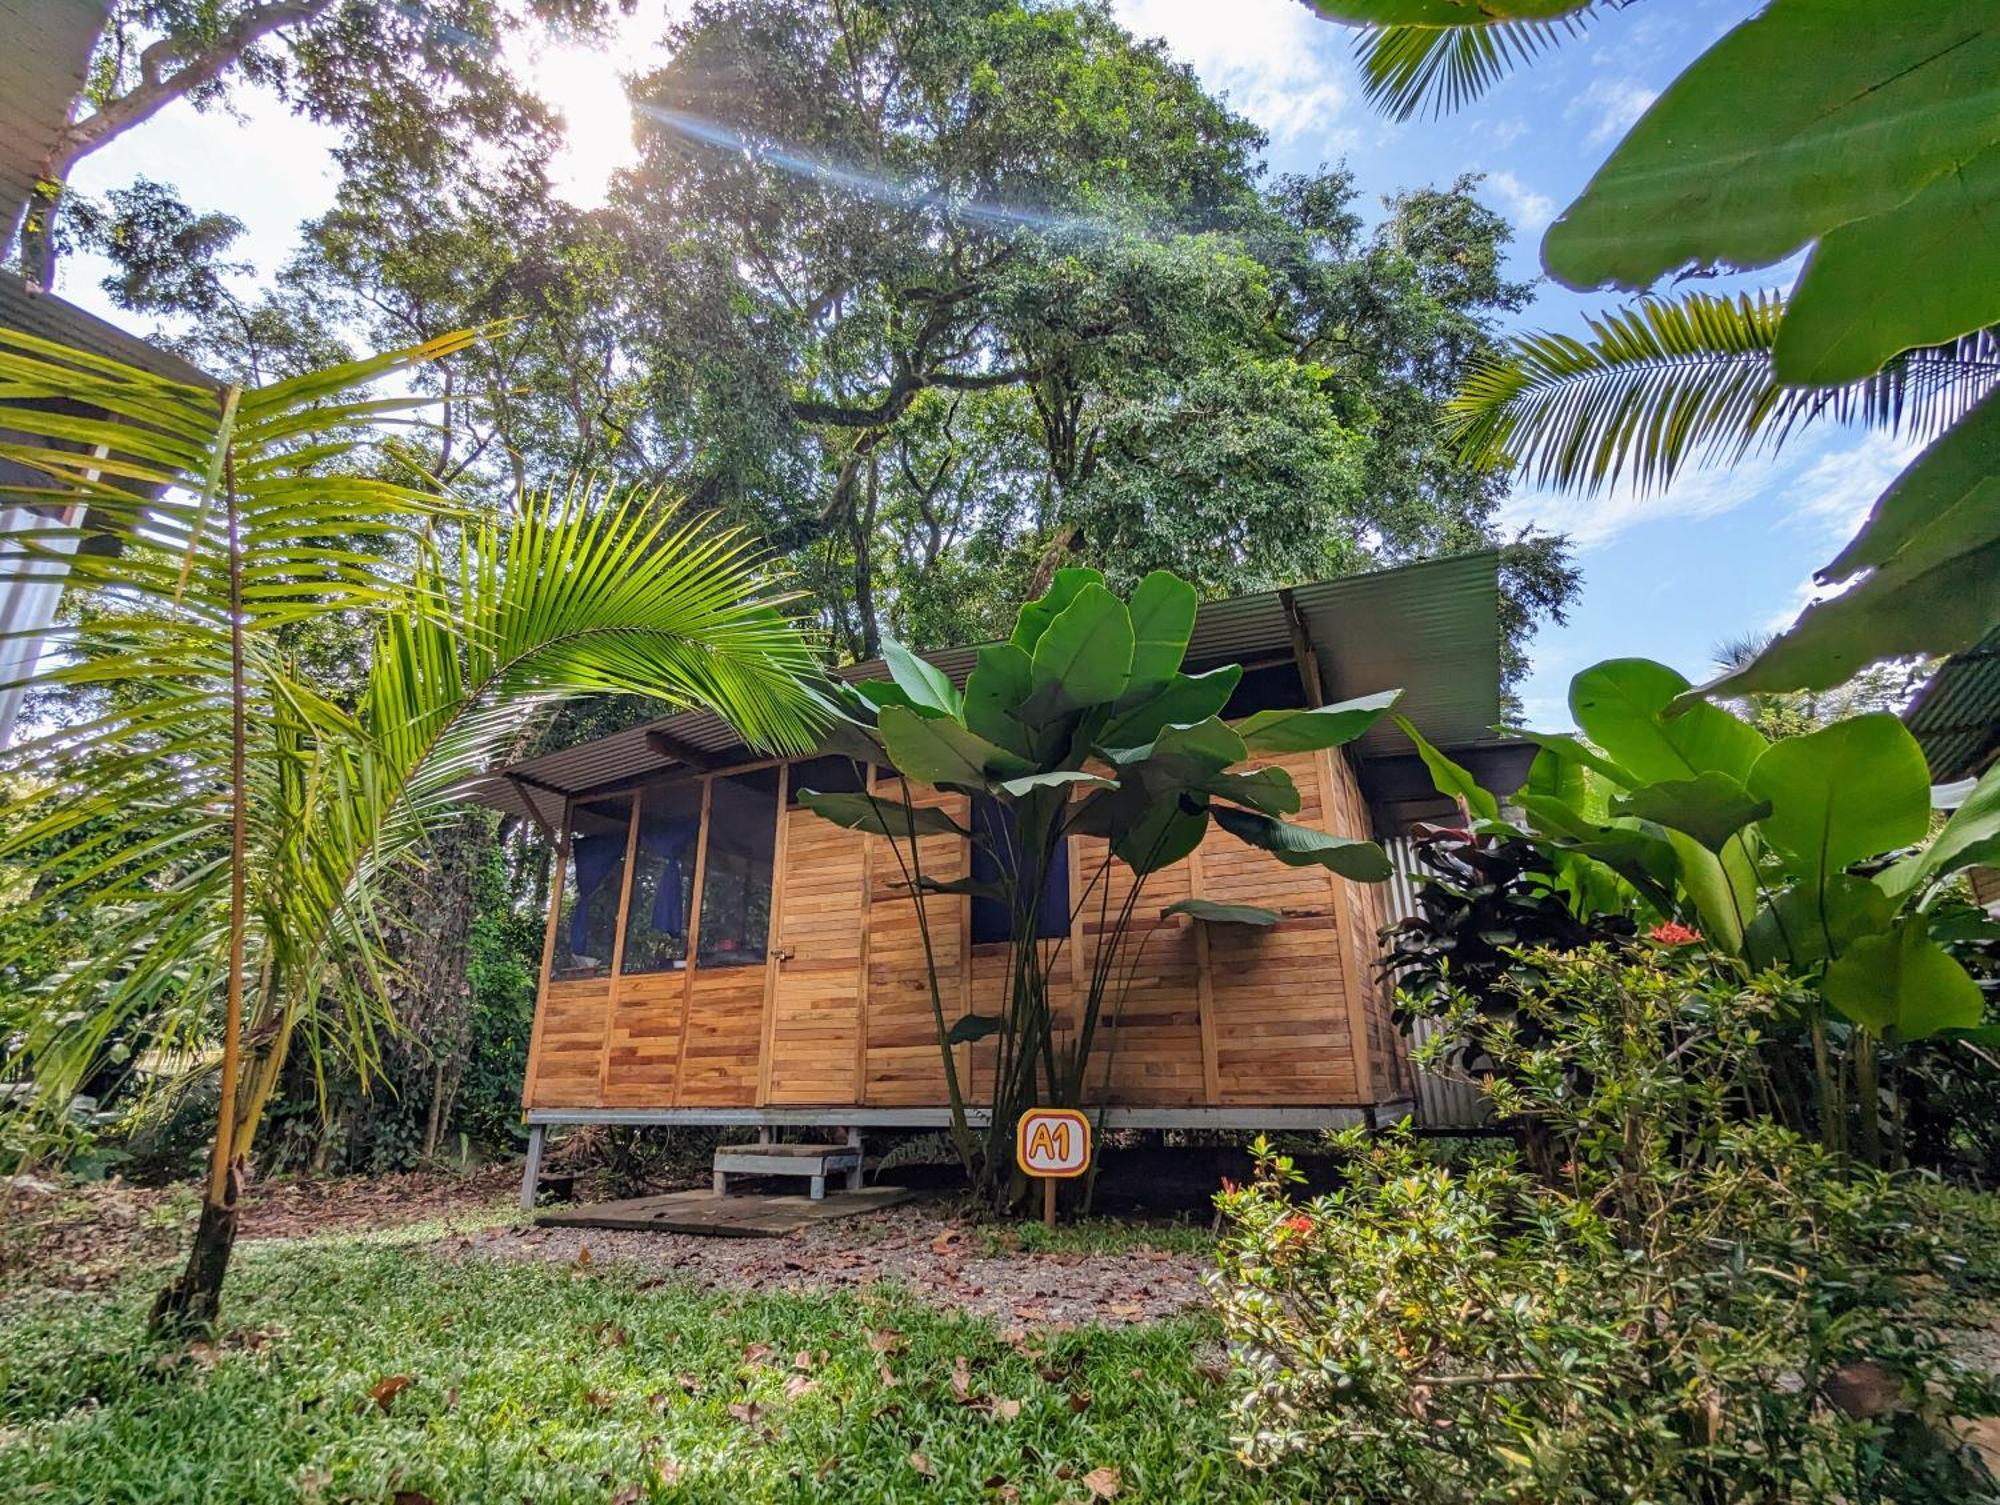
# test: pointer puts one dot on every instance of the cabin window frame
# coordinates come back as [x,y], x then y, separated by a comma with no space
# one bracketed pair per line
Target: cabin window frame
[633,794]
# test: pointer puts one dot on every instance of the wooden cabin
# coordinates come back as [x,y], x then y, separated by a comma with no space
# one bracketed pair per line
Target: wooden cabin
[716,954]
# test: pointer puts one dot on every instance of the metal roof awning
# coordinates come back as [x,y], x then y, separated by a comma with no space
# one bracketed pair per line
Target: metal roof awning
[1956,716]
[1431,629]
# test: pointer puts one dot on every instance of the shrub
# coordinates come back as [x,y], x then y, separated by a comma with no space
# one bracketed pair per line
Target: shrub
[1704,1307]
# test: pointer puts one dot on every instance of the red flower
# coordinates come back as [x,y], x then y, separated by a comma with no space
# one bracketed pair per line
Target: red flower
[1673,933]
[1299,1224]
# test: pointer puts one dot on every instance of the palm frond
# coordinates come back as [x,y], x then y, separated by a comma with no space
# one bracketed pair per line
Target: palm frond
[1669,381]
[1440,69]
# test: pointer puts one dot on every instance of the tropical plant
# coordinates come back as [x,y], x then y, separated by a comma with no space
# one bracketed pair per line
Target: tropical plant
[1877,152]
[1700,1307]
[1085,698]
[1696,817]
[1483,901]
[233,824]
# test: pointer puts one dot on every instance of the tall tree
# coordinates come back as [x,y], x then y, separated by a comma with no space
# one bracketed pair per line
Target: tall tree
[406,84]
[231,823]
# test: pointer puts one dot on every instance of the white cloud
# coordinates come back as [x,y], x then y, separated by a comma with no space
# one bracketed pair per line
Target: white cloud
[1530,211]
[1612,105]
[1278,63]
[1821,485]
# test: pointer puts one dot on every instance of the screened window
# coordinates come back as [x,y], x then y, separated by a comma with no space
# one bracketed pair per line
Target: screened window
[992,859]
[593,878]
[736,873]
[656,922]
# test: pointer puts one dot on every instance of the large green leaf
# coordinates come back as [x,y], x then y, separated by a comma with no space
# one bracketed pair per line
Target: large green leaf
[1711,807]
[1224,914]
[881,692]
[1035,616]
[1085,656]
[1150,834]
[999,682]
[970,1027]
[1310,730]
[943,752]
[1810,115]
[1451,780]
[1188,698]
[1268,789]
[1904,981]
[1923,273]
[1621,705]
[1183,757]
[1855,789]
[1162,611]
[1970,837]
[878,816]
[1931,548]
[1060,779]
[1638,852]
[1805,925]
[1304,846]
[1567,749]
[924,683]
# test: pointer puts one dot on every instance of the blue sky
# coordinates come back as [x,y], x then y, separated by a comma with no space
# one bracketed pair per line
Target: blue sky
[1666,576]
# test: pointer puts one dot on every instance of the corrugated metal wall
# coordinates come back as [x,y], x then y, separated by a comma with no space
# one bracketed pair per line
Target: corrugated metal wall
[1442,1102]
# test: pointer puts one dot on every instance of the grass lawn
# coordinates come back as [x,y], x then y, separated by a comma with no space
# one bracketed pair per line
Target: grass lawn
[373,1368]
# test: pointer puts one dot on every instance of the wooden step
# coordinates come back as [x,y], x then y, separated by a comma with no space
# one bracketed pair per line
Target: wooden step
[814,1161]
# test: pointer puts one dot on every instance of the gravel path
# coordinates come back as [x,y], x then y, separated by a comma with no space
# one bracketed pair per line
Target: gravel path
[910,1246]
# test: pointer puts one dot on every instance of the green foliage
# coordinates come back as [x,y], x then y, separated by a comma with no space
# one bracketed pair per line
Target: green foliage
[1780,852]
[236,829]
[1484,902]
[1081,723]
[1860,133]
[1701,1307]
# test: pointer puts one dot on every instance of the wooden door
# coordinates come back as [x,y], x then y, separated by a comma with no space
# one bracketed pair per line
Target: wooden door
[818,963]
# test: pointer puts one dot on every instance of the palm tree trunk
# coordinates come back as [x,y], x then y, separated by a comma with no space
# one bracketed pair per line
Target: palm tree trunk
[195,1296]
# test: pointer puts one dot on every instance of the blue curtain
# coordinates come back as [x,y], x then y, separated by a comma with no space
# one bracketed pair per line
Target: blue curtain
[670,841]
[597,858]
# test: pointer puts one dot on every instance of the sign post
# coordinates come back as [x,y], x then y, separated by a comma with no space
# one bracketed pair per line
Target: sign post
[1054,1144]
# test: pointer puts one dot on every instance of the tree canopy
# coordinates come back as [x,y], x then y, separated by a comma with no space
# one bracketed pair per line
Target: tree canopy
[936,298]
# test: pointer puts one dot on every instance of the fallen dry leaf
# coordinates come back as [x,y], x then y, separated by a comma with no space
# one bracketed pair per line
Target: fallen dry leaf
[411,1497]
[669,1471]
[802,1361]
[384,1392]
[746,1412]
[887,1376]
[756,1353]
[947,1240]
[582,1260]
[1006,1410]
[598,1399]
[886,1340]
[1103,1483]
[961,1377]
[799,1385]
[1079,1402]
[922,1465]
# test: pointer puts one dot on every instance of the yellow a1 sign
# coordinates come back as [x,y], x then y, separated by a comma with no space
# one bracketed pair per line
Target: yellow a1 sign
[1053,1143]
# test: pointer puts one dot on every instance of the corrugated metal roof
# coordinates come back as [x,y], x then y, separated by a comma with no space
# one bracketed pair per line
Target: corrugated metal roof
[41,73]
[1956,716]
[52,319]
[1432,629]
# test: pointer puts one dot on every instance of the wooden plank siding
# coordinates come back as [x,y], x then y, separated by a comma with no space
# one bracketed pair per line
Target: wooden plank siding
[841,1013]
